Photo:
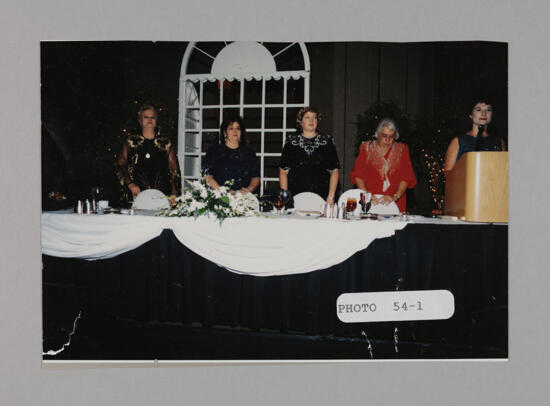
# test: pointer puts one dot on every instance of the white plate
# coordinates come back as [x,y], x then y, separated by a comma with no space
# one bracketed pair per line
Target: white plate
[308,201]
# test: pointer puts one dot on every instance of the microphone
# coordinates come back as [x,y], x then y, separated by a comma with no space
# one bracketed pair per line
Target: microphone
[479,139]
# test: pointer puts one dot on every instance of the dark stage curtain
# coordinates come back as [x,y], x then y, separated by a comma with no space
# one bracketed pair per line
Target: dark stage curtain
[164,282]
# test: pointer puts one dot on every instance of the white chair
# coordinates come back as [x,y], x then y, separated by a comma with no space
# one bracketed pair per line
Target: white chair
[308,201]
[151,199]
[355,194]
[384,209]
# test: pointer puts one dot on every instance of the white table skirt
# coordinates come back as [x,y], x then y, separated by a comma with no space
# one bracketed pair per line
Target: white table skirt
[259,246]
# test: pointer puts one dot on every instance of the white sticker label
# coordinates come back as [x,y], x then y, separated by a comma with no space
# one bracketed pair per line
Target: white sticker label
[395,306]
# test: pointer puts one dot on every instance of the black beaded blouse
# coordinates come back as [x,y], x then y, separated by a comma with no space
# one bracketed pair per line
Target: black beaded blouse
[149,164]
[310,161]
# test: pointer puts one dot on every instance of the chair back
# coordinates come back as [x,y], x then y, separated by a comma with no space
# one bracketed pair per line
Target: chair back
[151,199]
[308,201]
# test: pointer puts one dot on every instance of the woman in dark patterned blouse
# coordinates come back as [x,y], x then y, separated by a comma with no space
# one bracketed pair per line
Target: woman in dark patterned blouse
[309,162]
[147,160]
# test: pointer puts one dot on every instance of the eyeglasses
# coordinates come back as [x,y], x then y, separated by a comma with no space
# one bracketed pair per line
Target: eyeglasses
[385,136]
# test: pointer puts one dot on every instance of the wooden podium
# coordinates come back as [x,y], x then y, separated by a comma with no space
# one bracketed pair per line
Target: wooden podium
[477,187]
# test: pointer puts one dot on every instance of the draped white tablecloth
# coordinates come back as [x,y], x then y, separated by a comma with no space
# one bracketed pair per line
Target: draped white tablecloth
[260,246]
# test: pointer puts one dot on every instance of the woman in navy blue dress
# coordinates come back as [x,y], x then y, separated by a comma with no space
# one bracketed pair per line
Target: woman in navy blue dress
[477,139]
[232,161]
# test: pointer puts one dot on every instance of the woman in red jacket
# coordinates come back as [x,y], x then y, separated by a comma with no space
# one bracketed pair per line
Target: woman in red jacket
[383,167]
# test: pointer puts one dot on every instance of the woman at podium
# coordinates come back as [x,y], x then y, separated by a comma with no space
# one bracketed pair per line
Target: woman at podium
[477,139]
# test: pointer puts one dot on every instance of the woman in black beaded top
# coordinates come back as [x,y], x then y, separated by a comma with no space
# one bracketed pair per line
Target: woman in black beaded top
[309,161]
[147,160]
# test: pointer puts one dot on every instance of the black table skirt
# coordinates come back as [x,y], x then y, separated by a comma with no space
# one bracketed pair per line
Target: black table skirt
[163,283]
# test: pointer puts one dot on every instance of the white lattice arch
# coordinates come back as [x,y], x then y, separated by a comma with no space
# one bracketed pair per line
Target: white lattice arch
[241,61]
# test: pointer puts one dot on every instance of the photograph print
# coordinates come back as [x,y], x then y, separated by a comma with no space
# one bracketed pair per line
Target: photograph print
[214,200]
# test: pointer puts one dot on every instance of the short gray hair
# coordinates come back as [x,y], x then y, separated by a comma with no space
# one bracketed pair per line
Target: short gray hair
[387,122]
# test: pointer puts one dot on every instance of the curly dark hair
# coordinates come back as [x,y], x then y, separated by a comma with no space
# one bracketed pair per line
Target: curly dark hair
[305,110]
[227,122]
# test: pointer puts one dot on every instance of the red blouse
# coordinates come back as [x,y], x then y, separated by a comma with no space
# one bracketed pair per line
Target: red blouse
[371,166]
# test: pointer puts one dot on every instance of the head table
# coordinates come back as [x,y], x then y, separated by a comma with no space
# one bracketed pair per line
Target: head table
[276,273]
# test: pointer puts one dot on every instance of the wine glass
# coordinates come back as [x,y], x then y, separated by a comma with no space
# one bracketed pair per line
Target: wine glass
[278,203]
[367,202]
[368,206]
[96,192]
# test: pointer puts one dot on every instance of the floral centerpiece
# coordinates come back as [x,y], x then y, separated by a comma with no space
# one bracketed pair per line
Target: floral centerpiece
[199,199]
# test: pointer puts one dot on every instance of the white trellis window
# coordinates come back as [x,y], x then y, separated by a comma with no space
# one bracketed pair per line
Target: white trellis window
[265,83]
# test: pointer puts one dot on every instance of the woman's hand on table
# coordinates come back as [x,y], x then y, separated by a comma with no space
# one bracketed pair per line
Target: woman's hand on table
[211,182]
[384,199]
[244,190]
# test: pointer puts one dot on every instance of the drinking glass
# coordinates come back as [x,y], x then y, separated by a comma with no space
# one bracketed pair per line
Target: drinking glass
[278,203]
[368,206]
[96,192]
[327,210]
[351,205]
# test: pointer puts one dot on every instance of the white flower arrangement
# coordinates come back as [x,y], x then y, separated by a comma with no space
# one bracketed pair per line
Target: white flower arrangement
[199,199]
